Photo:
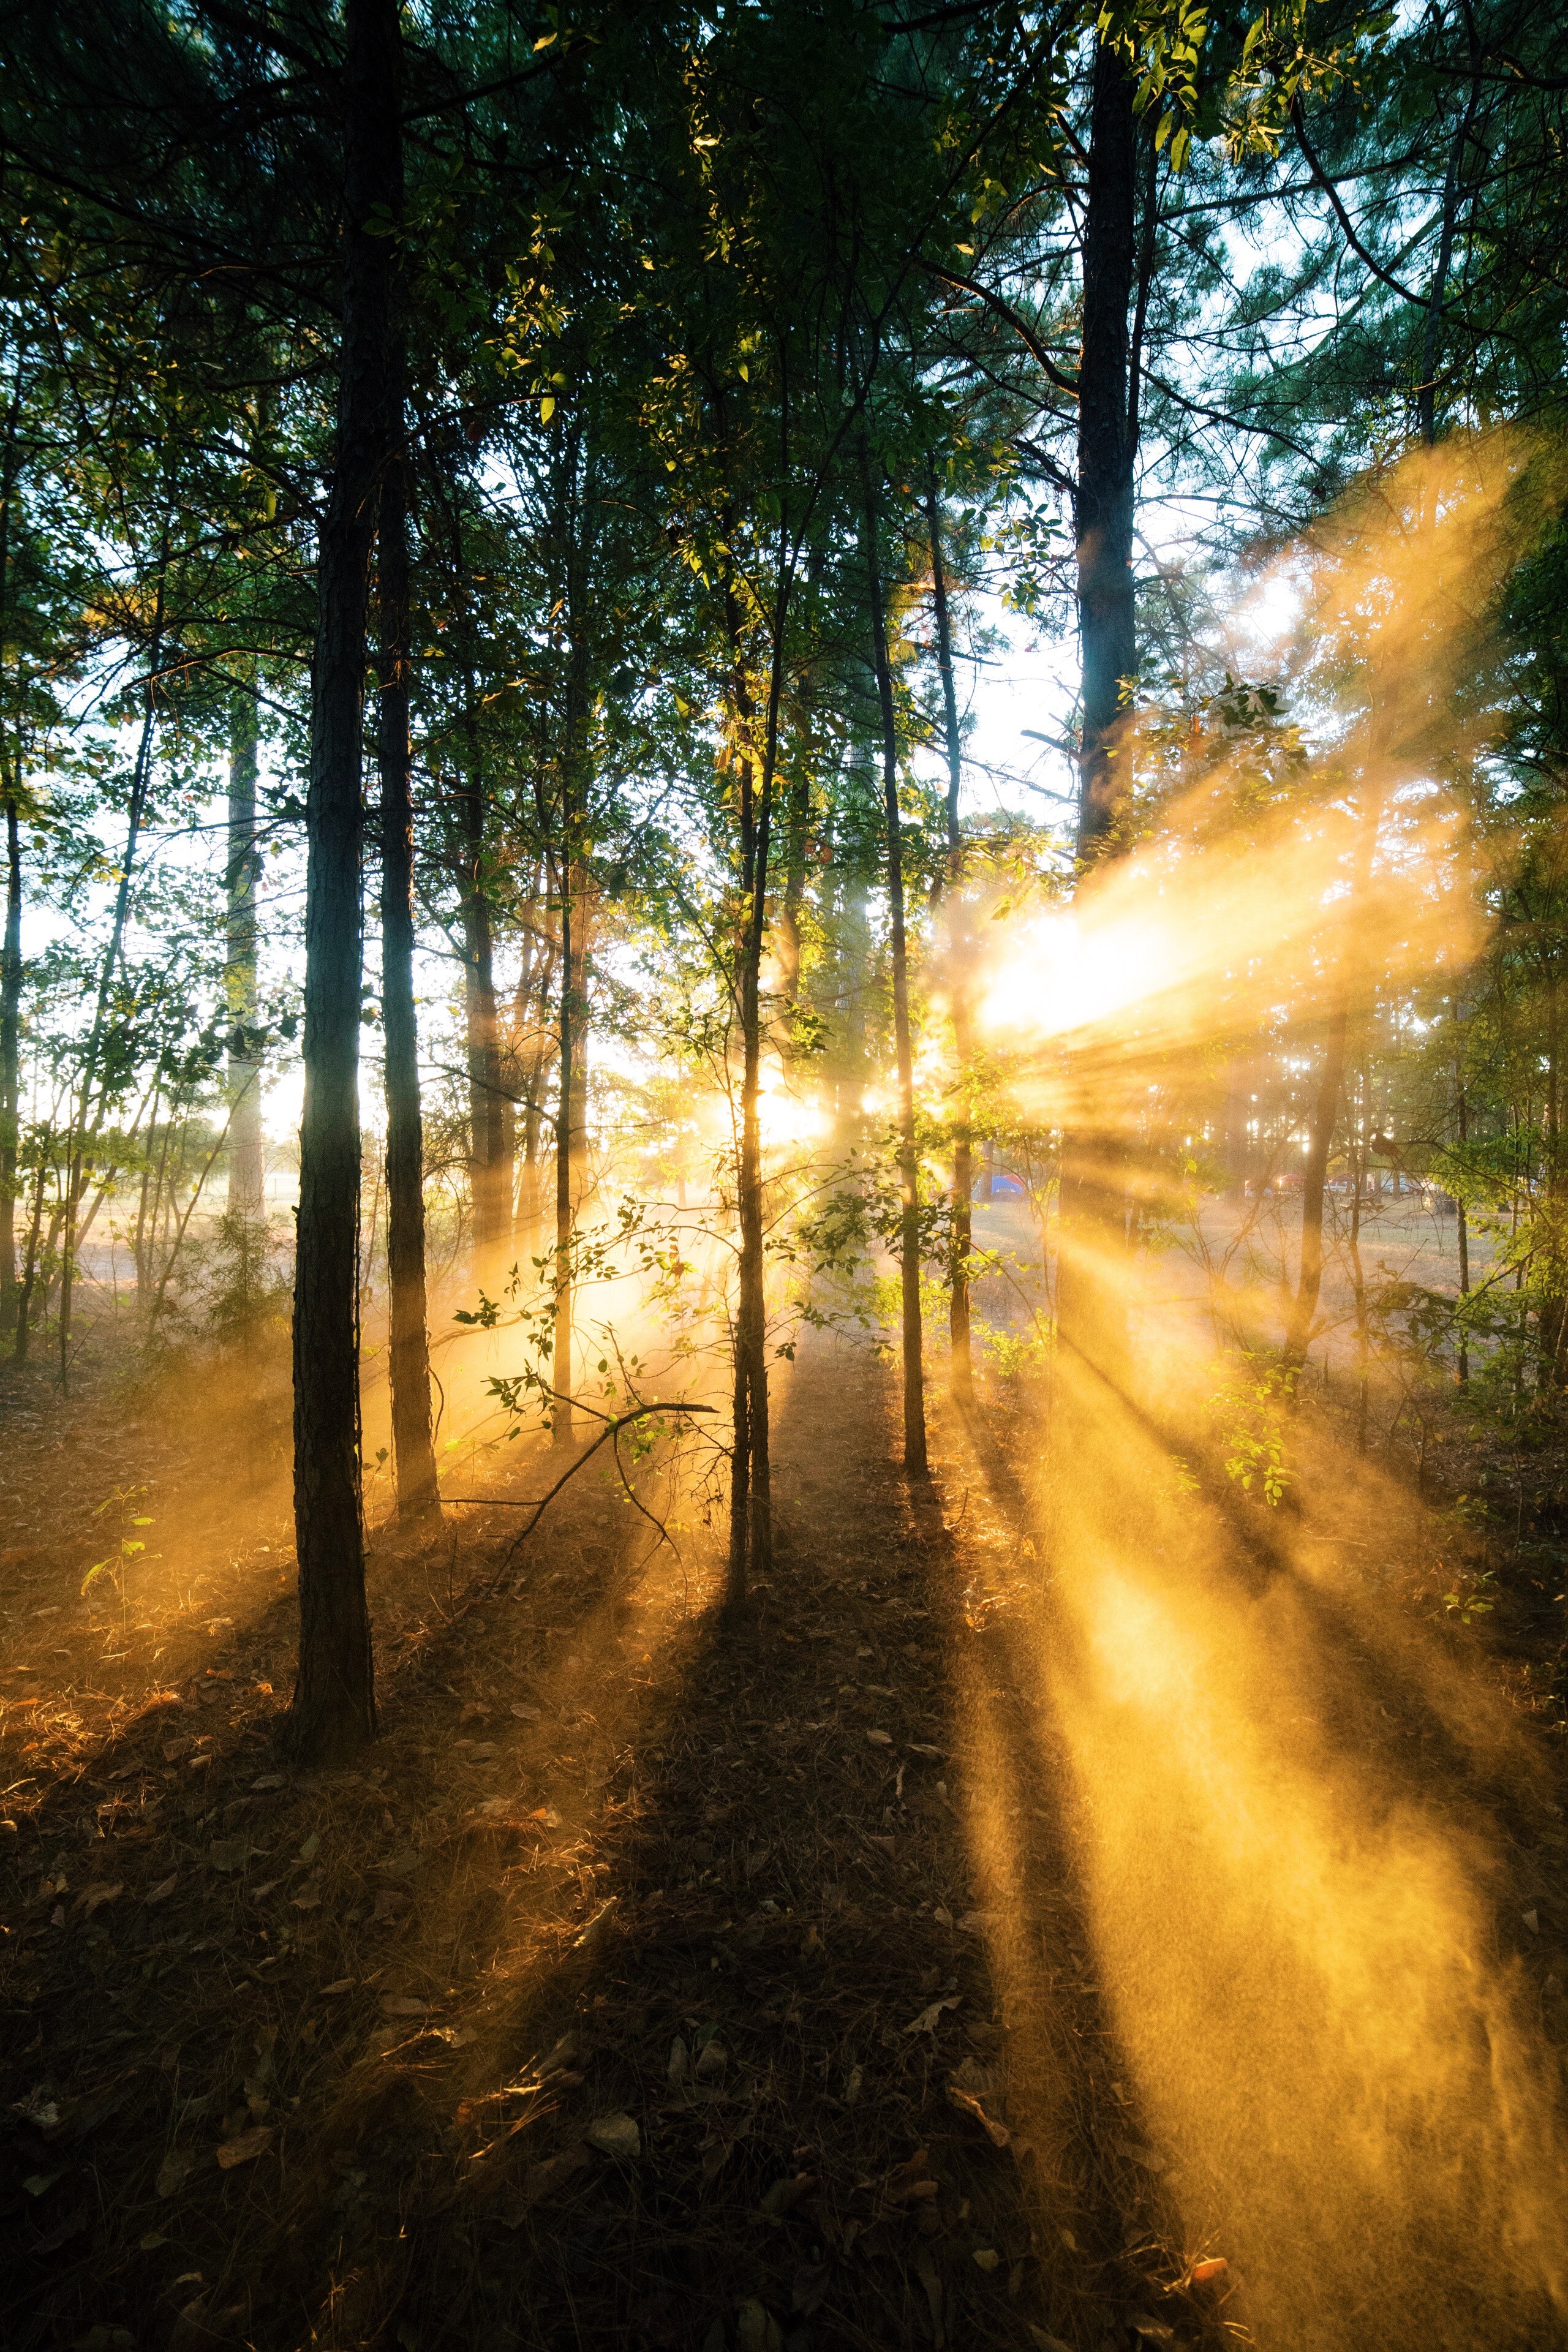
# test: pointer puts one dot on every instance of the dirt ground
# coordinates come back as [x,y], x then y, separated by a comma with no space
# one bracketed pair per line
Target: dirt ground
[653,1984]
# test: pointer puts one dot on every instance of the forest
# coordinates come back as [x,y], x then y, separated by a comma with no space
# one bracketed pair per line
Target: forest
[783,1191]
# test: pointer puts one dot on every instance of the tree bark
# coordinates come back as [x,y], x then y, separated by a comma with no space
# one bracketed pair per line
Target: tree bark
[1091,1213]
[88,1120]
[10,1065]
[1314,1177]
[1107,611]
[414,1458]
[332,1711]
[565,1206]
[961,944]
[246,1192]
[489,1163]
[751,1468]
[908,1161]
[11,956]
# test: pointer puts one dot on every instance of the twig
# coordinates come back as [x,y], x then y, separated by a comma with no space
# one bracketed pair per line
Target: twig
[613,1424]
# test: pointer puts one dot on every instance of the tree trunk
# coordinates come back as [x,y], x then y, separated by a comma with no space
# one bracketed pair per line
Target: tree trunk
[332,1711]
[751,1468]
[11,956]
[1091,1225]
[10,1065]
[1107,611]
[961,948]
[414,1458]
[1462,1368]
[490,1170]
[246,1197]
[565,1205]
[908,1161]
[87,1119]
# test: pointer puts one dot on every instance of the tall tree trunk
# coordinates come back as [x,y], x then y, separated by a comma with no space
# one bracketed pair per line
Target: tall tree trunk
[565,1159]
[1091,1225]
[1107,611]
[1342,991]
[10,1065]
[1462,1367]
[414,1458]
[961,946]
[750,1470]
[246,1195]
[908,1161]
[490,1173]
[29,1268]
[332,1711]
[11,955]
[88,1117]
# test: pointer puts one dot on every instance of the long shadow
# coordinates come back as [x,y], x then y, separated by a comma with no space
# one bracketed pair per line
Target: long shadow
[754,1979]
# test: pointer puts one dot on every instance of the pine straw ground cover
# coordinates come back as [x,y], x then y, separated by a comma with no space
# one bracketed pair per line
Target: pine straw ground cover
[635,1992]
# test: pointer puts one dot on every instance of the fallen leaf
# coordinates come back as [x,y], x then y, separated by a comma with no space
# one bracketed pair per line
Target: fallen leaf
[397,2004]
[679,2060]
[309,1899]
[924,1747]
[173,1749]
[1205,2273]
[92,1898]
[1136,2154]
[200,1763]
[1532,1921]
[987,2257]
[756,2329]
[340,1984]
[942,1916]
[974,1922]
[712,2060]
[880,1738]
[271,1780]
[852,2086]
[1153,2331]
[615,2134]
[526,1714]
[172,2171]
[786,2194]
[485,1748]
[929,2019]
[965,2100]
[248,2144]
[312,1847]
[36,2182]
[910,2179]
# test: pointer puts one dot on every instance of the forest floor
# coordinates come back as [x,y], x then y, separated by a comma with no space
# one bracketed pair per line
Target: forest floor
[654,1983]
